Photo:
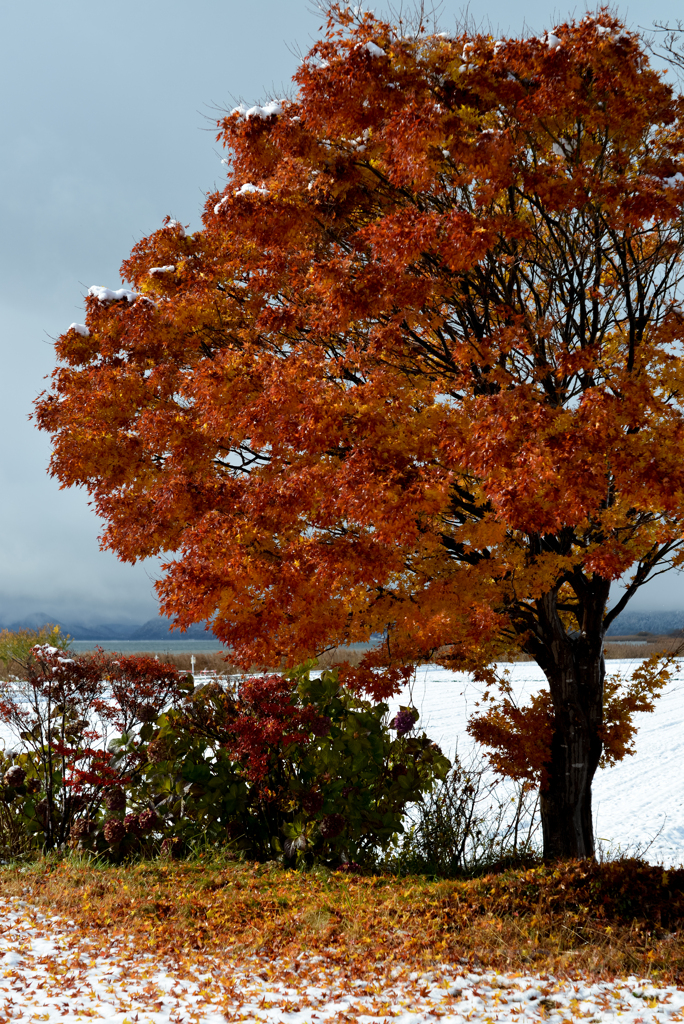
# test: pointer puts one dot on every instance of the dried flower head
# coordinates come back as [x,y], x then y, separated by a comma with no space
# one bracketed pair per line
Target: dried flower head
[114,831]
[147,713]
[312,802]
[332,825]
[83,828]
[15,776]
[148,820]
[159,749]
[115,799]
[132,825]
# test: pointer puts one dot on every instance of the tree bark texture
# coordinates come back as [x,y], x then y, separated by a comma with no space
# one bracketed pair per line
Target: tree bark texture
[577,692]
[574,666]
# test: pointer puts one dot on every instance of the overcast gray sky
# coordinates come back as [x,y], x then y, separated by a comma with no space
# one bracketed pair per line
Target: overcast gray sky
[104,132]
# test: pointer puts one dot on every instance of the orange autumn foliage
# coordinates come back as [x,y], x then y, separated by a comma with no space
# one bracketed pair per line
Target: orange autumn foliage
[418,373]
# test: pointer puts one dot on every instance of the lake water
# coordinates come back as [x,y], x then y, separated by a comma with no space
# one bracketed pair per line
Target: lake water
[149,646]
[179,646]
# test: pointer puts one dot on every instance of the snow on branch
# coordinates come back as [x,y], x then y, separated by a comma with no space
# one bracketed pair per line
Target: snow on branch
[273,107]
[248,187]
[111,295]
[374,49]
[177,225]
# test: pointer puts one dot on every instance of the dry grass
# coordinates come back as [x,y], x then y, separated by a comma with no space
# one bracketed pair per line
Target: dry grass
[352,655]
[569,919]
[209,661]
[613,650]
[655,645]
[217,662]
[633,651]
[628,651]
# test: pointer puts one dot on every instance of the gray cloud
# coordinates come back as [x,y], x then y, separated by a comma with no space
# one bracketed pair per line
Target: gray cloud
[106,117]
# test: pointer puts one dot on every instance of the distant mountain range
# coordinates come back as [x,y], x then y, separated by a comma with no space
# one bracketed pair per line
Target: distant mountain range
[153,629]
[631,622]
[627,624]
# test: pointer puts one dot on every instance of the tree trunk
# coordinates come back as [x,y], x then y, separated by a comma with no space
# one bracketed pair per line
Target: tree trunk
[575,669]
[577,692]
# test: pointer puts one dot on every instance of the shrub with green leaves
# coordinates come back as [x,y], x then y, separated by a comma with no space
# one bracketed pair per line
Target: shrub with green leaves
[124,756]
[289,766]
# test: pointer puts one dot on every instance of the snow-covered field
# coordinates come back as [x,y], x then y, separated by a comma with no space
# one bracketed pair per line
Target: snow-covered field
[636,803]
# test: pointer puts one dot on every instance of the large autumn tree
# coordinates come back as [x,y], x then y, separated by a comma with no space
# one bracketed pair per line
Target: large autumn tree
[418,373]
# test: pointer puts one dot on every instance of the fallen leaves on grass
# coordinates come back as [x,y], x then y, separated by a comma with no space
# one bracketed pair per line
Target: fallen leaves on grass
[52,969]
[577,918]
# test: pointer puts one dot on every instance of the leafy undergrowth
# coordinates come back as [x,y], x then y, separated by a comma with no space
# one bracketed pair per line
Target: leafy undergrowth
[600,920]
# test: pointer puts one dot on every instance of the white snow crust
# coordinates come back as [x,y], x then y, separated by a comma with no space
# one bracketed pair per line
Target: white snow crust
[267,110]
[45,650]
[244,190]
[247,188]
[374,49]
[161,270]
[103,294]
[80,329]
